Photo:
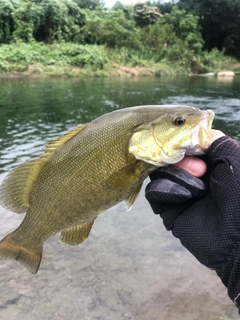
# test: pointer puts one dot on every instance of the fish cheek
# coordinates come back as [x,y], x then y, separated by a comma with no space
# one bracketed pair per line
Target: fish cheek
[144,147]
[174,141]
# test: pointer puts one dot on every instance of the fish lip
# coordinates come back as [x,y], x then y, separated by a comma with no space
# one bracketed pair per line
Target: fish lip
[204,127]
[208,120]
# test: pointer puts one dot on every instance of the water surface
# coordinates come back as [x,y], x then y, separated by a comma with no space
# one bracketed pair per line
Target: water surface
[130,267]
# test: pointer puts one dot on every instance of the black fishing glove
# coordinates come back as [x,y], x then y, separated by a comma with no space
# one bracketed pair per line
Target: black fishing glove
[205,213]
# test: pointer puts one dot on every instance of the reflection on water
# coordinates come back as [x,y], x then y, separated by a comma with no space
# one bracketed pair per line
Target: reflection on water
[130,267]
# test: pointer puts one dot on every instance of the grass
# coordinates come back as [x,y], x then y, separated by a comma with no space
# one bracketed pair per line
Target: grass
[74,60]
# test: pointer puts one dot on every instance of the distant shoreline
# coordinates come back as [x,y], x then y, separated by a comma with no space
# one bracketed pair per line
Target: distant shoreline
[120,72]
[38,60]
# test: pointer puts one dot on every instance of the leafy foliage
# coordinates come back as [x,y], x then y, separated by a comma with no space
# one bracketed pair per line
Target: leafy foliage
[84,33]
[58,54]
[89,4]
[62,19]
[186,28]
[42,20]
[110,28]
[163,7]
[220,22]
[158,39]
[145,15]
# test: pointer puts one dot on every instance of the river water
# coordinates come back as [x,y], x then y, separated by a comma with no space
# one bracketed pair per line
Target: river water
[130,267]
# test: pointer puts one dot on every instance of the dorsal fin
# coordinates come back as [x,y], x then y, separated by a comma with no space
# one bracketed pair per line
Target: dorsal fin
[55,144]
[16,187]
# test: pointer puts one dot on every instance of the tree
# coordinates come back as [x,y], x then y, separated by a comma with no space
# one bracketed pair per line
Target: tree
[186,27]
[158,39]
[8,8]
[118,6]
[220,22]
[62,19]
[42,20]
[110,28]
[145,15]
[89,4]
[176,37]
[163,7]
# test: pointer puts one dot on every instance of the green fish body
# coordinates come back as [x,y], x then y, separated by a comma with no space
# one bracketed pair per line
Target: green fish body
[92,168]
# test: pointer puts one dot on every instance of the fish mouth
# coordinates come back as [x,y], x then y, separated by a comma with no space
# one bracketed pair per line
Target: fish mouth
[201,134]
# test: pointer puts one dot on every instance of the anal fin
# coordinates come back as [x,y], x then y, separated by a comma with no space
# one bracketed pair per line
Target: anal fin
[78,234]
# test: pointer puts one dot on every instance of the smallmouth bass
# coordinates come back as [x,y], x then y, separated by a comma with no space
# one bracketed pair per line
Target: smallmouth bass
[92,168]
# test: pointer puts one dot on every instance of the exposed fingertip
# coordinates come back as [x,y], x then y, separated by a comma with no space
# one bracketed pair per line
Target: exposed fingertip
[194,166]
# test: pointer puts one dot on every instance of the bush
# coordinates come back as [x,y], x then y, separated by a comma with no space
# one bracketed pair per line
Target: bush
[58,54]
[111,29]
[43,20]
[156,40]
[186,27]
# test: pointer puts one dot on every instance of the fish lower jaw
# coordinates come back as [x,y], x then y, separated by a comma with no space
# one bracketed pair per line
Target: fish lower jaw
[197,151]
[200,138]
[197,148]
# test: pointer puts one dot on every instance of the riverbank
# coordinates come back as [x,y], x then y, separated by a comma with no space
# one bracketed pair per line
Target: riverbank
[37,70]
[73,60]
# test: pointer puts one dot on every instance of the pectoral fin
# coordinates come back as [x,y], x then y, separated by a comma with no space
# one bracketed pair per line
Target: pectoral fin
[123,178]
[76,235]
[132,197]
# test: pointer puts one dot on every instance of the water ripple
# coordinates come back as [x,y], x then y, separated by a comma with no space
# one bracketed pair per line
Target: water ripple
[34,112]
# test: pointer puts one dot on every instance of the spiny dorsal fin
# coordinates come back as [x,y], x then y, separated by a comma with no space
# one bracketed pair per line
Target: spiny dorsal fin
[76,235]
[132,197]
[55,144]
[15,189]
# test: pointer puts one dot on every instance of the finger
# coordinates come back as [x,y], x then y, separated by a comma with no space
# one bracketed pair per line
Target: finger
[194,166]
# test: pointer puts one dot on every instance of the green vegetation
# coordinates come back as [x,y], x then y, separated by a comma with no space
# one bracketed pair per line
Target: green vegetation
[67,37]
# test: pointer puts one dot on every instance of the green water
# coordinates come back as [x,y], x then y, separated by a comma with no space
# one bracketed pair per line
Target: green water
[34,111]
[130,268]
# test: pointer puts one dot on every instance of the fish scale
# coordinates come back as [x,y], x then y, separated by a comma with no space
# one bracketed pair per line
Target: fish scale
[92,168]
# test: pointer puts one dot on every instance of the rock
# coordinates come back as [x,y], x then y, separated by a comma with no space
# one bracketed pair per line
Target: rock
[225,74]
[209,74]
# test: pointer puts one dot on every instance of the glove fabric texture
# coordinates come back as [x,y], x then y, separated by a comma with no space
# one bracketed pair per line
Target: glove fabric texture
[204,213]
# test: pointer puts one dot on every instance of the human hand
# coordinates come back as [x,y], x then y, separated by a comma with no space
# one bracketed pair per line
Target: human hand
[204,213]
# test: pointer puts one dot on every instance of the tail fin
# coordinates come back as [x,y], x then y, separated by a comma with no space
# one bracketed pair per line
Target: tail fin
[29,258]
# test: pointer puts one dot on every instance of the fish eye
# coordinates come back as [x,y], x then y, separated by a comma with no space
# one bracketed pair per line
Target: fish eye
[179,121]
